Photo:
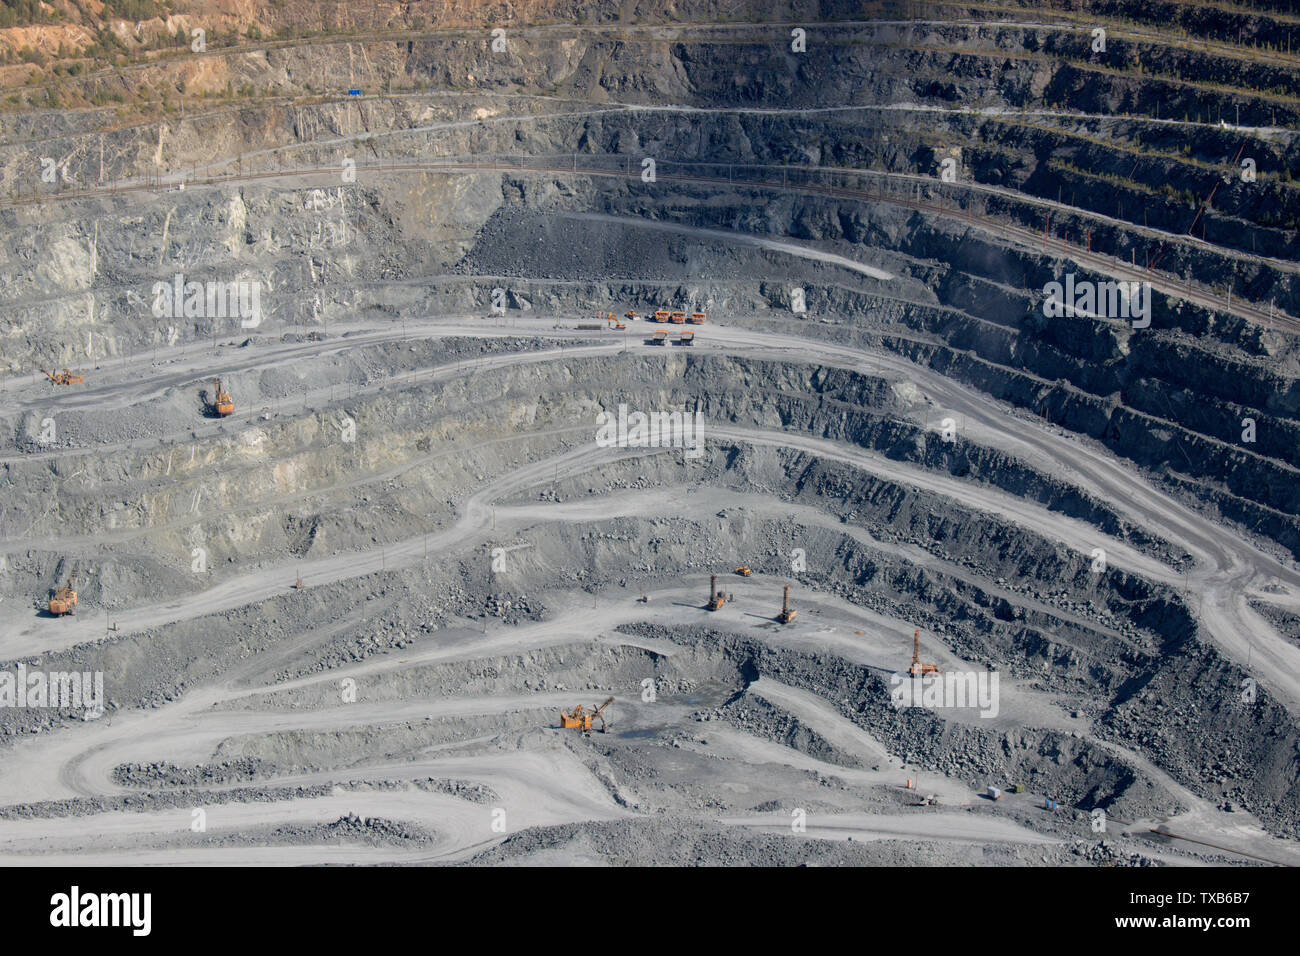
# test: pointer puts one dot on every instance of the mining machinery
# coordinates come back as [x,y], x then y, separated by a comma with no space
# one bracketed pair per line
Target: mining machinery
[918,669]
[222,403]
[716,597]
[580,718]
[788,613]
[64,599]
[66,377]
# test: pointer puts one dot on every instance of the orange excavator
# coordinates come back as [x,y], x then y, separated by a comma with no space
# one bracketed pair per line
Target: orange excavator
[64,599]
[744,570]
[66,377]
[581,719]
[788,613]
[631,316]
[716,597]
[611,322]
[223,403]
[918,669]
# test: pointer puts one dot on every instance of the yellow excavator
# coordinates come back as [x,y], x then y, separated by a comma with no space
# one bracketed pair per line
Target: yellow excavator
[64,599]
[580,718]
[66,377]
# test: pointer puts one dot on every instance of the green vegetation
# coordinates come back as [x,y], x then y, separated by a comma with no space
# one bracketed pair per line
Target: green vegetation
[106,45]
[21,13]
[133,10]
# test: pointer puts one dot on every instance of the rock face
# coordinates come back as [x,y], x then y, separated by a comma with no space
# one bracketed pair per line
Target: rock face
[407,551]
[1173,398]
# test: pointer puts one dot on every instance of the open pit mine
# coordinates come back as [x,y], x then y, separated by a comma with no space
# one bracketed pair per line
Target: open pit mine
[614,432]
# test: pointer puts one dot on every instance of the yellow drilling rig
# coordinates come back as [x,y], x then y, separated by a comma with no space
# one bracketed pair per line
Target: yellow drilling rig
[716,597]
[222,403]
[918,669]
[788,613]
